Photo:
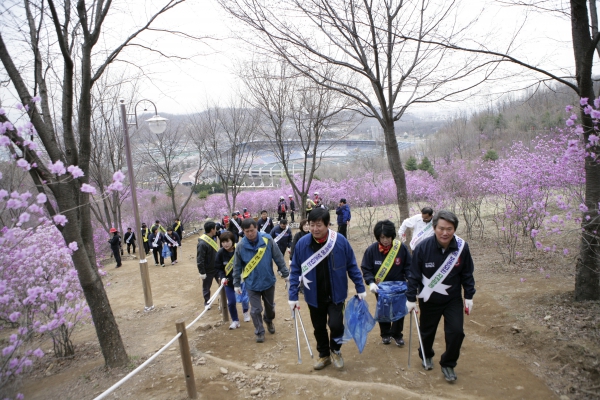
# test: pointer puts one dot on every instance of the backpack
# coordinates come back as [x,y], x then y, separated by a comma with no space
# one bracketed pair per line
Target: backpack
[281,207]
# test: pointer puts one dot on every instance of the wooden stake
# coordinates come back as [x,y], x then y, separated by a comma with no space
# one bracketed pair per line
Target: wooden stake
[223,301]
[186,360]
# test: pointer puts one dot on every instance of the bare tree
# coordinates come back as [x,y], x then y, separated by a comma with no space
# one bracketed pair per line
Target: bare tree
[165,156]
[381,49]
[224,135]
[64,38]
[297,113]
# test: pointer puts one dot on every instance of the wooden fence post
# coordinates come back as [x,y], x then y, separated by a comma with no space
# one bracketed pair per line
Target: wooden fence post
[186,359]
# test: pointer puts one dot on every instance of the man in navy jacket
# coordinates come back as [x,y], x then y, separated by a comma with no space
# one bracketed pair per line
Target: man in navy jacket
[285,241]
[343,217]
[325,284]
[441,265]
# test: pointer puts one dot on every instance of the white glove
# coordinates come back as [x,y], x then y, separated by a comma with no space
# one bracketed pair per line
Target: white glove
[373,287]
[362,295]
[203,276]
[404,237]
[411,305]
[224,281]
[294,304]
[238,290]
[468,306]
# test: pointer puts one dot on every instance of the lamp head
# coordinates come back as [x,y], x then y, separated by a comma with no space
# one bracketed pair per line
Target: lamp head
[157,124]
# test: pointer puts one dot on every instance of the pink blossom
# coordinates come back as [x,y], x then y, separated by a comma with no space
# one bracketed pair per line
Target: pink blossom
[36,99]
[523,280]
[24,217]
[73,246]
[75,171]
[85,188]
[583,207]
[41,198]
[566,252]
[118,176]
[4,141]
[58,168]
[570,122]
[14,317]
[60,219]
[583,101]
[568,108]
[595,114]
[22,163]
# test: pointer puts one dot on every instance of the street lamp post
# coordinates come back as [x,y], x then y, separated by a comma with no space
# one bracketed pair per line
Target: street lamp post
[157,125]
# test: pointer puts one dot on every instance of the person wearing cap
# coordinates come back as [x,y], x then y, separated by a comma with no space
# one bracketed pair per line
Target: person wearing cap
[343,217]
[317,199]
[115,246]
[246,214]
[281,208]
[129,239]
[225,221]
[292,207]
[145,233]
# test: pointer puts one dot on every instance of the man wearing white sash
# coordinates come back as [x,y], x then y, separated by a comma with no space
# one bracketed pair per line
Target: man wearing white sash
[282,236]
[322,263]
[421,226]
[172,239]
[206,251]
[441,266]
[264,223]
[235,226]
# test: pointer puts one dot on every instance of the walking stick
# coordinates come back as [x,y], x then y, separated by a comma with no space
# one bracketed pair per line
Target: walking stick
[420,340]
[305,337]
[297,336]
[409,341]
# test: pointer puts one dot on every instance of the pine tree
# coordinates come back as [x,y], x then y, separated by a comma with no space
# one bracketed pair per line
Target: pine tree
[411,164]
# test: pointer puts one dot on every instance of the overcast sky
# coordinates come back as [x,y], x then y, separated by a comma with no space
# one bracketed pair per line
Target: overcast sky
[203,71]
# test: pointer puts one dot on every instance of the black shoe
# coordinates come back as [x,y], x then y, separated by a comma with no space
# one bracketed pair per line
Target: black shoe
[118,266]
[260,338]
[271,327]
[386,340]
[449,374]
[399,342]
[428,365]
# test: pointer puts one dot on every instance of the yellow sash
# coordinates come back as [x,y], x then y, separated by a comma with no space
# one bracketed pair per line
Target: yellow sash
[229,266]
[146,235]
[177,226]
[388,262]
[209,240]
[255,260]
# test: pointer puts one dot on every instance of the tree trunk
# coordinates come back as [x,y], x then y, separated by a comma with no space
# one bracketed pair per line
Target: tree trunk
[588,265]
[393,154]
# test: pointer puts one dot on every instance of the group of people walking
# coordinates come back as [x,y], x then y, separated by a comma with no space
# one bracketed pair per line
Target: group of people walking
[437,273]
[163,242]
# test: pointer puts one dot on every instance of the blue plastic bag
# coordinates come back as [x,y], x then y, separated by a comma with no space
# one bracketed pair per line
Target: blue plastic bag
[358,322]
[391,301]
[165,251]
[242,298]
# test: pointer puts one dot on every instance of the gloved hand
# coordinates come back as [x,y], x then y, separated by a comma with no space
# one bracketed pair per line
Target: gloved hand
[373,287]
[362,295]
[238,290]
[294,304]
[411,305]
[468,306]
[224,281]
[203,276]
[404,237]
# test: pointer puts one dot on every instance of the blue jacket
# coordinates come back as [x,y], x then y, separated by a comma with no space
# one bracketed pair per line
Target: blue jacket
[342,264]
[262,277]
[343,214]
[285,242]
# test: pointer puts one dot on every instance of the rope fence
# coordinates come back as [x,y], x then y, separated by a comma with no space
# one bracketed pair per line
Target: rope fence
[186,357]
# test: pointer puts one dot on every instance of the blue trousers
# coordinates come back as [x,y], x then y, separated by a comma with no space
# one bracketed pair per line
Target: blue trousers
[230,292]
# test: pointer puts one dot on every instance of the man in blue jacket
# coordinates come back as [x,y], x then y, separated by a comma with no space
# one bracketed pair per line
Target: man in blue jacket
[254,256]
[322,263]
[282,236]
[343,217]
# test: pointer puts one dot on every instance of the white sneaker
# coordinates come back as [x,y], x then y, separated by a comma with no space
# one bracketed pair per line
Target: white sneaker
[207,306]
[247,316]
[234,325]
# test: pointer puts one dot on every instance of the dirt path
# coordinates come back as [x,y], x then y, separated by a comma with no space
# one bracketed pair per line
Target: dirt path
[488,367]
